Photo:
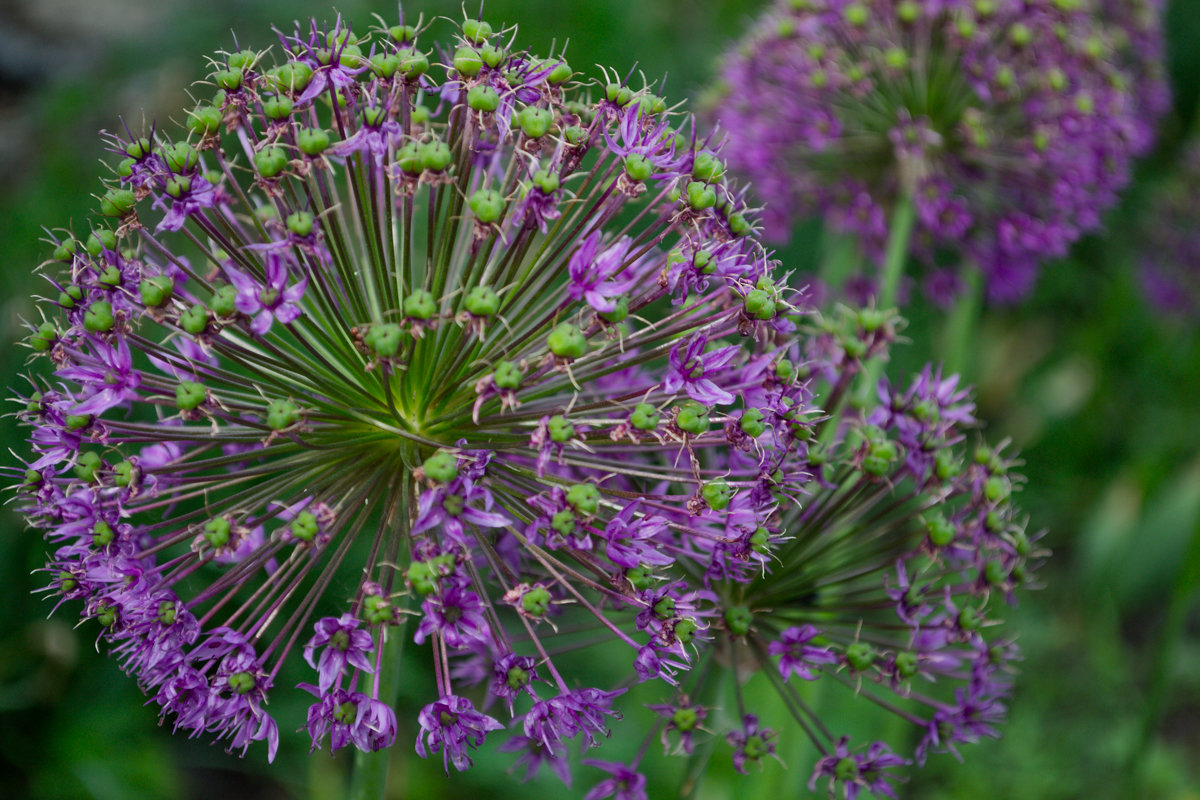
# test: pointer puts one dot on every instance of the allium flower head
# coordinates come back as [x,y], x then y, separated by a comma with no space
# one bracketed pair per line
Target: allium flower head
[1006,126]
[428,319]
[887,576]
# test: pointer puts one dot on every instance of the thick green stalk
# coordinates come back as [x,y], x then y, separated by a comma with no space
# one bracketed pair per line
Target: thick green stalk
[904,217]
[959,335]
[368,778]
[1184,595]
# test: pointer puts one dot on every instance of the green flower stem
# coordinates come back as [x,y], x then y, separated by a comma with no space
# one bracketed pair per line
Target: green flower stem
[839,258]
[368,777]
[904,218]
[1183,596]
[959,335]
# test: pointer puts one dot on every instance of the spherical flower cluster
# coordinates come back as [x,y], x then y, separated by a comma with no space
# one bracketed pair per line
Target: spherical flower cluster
[472,354]
[997,131]
[889,577]
[463,335]
[1170,250]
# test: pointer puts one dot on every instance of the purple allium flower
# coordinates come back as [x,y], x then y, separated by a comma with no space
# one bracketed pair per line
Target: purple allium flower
[1007,129]
[326,313]
[369,396]
[798,657]
[341,644]
[692,368]
[854,772]
[683,718]
[349,718]
[451,725]
[750,742]
[623,783]
[885,576]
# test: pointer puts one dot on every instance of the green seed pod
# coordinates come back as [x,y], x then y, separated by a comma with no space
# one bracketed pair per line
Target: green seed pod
[189,395]
[717,494]
[435,156]
[402,34]
[419,305]
[585,498]
[123,474]
[560,74]
[692,418]
[487,205]
[205,120]
[638,167]
[384,340]
[282,414]
[482,301]
[618,314]
[384,65]
[700,195]
[617,94]
[536,601]
[564,522]
[546,181]
[99,317]
[224,301]
[467,62]
[707,167]
[413,65]
[560,429]
[277,108]
[87,466]
[645,417]
[752,423]
[156,291]
[476,31]
[65,251]
[441,467]
[117,202]
[535,122]
[567,341]
[230,80]
[759,305]
[507,375]
[312,141]
[860,656]
[271,162]
[739,619]
[304,526]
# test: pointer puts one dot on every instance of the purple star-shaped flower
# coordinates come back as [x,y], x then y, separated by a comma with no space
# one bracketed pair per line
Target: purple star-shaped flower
[799,657]
[599,276]
[269,302]
[343,644]
[623,783]
[690,371]
[857,771]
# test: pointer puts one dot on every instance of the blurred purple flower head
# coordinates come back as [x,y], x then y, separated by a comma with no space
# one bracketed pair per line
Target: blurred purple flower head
[1009,126]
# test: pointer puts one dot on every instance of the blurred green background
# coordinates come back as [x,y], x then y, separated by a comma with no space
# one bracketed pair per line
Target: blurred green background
[1100,394]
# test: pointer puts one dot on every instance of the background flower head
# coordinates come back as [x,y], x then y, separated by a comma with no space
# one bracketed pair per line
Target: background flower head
[1008,126]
